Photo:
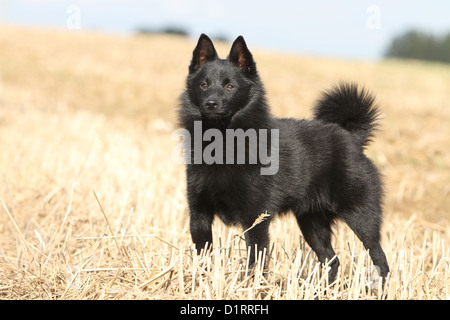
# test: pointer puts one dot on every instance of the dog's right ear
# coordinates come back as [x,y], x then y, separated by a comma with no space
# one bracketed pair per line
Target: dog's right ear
[203,52]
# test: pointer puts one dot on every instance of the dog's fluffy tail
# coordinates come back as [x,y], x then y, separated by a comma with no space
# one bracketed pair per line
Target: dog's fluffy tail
[351,108]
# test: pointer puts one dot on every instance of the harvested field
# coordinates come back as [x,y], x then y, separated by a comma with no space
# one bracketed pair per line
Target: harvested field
[92,207]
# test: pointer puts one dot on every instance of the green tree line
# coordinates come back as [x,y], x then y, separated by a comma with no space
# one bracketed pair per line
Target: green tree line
[420,45]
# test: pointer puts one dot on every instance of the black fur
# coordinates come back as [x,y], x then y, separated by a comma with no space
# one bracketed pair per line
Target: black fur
[323,173]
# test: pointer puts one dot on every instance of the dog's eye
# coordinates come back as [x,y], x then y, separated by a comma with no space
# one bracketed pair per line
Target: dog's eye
[229,86]
[203,85]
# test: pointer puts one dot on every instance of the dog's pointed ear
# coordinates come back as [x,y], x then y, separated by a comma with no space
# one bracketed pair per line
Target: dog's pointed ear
[203,52]
[242,57]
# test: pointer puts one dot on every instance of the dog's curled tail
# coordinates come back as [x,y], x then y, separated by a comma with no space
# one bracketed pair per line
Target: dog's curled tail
[351,108]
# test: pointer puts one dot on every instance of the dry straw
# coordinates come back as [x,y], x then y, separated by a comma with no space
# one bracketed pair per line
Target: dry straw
[76,116]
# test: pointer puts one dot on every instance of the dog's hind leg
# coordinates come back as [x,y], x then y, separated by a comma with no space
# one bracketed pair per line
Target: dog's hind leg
[366,225]
[316,230]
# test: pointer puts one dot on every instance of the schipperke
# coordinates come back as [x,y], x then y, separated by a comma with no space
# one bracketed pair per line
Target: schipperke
[314,168]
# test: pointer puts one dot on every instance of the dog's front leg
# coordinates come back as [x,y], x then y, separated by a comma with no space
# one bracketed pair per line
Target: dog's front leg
[257,240]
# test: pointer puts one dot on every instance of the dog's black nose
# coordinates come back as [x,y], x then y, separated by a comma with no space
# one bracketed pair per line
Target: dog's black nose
[211,105]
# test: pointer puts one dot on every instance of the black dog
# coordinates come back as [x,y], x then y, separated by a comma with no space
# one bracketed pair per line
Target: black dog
[318,169]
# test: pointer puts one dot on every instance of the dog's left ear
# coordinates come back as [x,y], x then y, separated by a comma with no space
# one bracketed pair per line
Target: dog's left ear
[242,57]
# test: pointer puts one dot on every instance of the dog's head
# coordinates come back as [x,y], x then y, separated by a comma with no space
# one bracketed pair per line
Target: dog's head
[220,88]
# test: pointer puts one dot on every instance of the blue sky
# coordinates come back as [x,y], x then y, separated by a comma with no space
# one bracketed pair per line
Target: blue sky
[351,29]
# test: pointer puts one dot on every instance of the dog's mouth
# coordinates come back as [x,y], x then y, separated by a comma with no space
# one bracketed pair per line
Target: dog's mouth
[216,114]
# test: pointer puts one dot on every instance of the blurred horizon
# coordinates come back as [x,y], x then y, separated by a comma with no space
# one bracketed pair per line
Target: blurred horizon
[353,29]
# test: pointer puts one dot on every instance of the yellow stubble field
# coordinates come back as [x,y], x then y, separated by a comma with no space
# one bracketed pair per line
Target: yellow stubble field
[92,207]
